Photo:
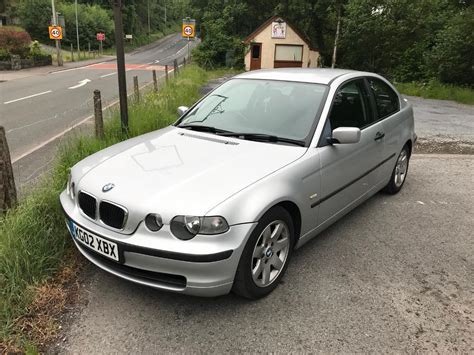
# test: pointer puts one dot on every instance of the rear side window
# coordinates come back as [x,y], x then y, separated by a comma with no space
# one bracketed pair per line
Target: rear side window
[349,107]
[386,99]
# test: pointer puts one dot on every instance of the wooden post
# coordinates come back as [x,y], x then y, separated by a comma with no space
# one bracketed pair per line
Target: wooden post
[175,65]
[99,120]
[72,53]
[7,181]
[136,89]
[155,82]
[166,73]
[184,61]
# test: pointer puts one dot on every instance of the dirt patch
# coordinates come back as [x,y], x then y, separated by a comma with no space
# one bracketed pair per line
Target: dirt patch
[443,146]
[53,298]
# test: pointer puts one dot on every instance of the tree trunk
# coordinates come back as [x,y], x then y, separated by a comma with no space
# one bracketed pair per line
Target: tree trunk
[336,39]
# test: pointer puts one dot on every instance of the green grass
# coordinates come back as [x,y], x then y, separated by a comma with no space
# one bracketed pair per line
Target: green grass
[33,236]
[437,90]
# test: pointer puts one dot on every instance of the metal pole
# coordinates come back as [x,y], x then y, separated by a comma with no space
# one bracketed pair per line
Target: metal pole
[122,80]
[58,48]
[77,27]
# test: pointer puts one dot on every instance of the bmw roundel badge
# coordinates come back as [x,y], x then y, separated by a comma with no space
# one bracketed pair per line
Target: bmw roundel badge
[108,187]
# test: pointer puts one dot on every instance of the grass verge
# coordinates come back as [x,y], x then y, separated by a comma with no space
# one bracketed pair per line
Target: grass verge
[33,236]
[437,90]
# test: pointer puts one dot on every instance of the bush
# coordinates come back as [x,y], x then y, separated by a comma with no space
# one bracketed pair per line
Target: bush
[15,41]
[4,55]
[219,49]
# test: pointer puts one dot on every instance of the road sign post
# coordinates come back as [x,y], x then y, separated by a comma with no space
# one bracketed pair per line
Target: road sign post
[56,34]
[100,37]
[122,80]
[188,30]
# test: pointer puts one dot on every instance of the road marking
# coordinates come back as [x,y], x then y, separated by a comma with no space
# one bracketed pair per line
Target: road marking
[27,97]
[106,75]
[149,63]
[52,139]
[81,83]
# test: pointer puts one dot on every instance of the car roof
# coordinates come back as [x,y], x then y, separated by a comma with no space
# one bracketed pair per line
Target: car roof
[308,75]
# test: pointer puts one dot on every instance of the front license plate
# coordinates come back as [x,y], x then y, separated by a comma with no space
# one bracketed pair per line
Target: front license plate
[94,242]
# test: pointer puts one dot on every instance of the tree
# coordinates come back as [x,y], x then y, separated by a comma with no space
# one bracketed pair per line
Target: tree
[452,58]
[92,19]
[35,17]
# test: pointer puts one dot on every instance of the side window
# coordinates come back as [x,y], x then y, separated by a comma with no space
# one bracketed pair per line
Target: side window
[349,108]
[386,99]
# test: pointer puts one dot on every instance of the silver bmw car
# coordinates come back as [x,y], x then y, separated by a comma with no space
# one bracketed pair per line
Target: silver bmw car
[262,164]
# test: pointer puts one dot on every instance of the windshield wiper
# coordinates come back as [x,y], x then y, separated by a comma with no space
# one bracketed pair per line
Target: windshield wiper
[201,128]
[264,137]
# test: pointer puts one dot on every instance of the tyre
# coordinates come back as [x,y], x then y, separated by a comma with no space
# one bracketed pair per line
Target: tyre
[399,172]
[266,255]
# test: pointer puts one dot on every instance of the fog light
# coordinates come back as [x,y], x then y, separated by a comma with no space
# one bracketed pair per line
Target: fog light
[153,222]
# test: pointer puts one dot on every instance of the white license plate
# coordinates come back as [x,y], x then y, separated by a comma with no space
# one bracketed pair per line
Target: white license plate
[94,242]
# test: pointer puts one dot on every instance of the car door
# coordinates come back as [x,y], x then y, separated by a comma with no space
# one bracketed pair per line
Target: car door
[386,104]
[349,171]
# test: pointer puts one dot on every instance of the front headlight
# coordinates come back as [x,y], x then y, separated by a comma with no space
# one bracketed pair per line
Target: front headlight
[186,227]
[70,188]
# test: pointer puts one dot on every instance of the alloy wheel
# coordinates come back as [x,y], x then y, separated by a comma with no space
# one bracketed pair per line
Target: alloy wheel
[270,253]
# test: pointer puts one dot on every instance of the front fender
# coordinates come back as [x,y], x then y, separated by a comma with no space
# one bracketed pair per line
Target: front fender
[251,204]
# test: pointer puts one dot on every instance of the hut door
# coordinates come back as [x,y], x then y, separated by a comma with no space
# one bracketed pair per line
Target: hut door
[256,56]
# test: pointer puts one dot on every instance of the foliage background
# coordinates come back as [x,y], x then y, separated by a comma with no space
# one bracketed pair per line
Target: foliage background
[404,40]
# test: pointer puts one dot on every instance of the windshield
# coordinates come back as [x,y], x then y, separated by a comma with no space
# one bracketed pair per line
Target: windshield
[278,108]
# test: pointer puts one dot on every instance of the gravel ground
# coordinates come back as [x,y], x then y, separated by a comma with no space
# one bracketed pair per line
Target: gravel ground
[395,275]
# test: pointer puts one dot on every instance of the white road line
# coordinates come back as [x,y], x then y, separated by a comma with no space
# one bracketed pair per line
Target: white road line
[27,97]
[106,75]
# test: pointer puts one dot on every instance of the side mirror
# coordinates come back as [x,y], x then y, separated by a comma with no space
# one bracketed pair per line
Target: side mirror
[182,110]
[345,135]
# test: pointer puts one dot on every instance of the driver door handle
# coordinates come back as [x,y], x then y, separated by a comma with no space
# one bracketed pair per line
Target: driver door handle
[379,135]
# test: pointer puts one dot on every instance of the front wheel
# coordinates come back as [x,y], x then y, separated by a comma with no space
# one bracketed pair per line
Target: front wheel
[399,172]
[266,255]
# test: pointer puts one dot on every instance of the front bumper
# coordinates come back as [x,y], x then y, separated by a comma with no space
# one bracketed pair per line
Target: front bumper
[202,266]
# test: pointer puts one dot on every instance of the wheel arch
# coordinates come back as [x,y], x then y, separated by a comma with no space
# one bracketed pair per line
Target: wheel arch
[295,213]
[409,143]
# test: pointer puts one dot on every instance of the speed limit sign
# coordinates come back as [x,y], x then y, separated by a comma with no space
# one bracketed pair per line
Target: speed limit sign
[188,29]
[55,32]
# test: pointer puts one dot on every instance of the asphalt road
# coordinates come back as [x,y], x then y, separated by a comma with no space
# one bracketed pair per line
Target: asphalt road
[395,275]
[37,108]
